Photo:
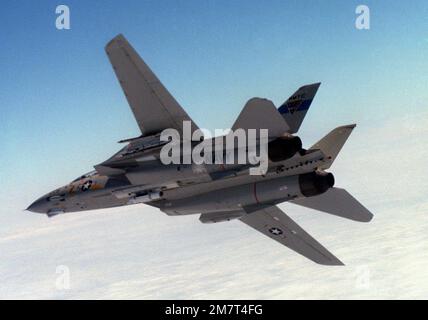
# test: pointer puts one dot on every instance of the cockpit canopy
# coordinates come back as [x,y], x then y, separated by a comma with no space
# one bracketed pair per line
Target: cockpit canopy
[86,175]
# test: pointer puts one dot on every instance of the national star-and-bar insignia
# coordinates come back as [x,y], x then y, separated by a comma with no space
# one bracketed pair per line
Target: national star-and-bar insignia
[87,185]
[275,231]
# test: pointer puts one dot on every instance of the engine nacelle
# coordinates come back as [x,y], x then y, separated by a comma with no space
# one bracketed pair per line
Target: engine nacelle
[283,148]
[265,192]
[315,183]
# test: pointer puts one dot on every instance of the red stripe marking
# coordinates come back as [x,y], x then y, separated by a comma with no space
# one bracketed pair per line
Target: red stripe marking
[255,193]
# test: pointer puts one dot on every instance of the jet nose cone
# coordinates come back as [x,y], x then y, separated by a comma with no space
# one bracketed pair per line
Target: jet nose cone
[38,206]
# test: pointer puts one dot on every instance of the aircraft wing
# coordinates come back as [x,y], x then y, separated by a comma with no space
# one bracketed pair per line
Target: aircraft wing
[275,224]
[154,108]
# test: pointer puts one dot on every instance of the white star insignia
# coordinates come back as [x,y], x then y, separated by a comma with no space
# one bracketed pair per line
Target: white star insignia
[275,231]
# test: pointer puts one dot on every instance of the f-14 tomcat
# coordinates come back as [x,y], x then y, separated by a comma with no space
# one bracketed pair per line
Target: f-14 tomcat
[217,192]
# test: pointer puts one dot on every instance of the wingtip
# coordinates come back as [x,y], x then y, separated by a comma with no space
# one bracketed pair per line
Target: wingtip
[330,263]
[314,85]
[348,126]
[119,37]
[335,262]
[367,218]
[330,260]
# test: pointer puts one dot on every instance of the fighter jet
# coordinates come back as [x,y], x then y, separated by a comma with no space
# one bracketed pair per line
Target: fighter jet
[217,192]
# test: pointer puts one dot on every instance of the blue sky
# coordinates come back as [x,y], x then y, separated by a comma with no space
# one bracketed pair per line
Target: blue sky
[62,111]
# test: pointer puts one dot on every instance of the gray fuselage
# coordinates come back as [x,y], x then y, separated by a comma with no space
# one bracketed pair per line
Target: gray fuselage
[184,189]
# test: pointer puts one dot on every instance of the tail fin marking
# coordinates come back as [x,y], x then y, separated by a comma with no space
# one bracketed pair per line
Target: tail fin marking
[294,109]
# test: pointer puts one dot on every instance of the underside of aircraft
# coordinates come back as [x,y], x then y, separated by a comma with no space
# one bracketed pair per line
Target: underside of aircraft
[217,192]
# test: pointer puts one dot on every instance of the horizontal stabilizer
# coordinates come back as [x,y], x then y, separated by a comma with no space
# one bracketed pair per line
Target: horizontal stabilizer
[261,114]
[332,143]
[339,203]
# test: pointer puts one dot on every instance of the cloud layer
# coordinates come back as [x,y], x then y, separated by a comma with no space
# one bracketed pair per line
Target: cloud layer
[138,252]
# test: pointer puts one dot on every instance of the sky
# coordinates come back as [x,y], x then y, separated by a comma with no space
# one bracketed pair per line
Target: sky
[62,111]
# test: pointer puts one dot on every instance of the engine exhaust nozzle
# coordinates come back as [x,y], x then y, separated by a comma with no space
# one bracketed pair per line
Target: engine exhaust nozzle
[315,183]
[283,148]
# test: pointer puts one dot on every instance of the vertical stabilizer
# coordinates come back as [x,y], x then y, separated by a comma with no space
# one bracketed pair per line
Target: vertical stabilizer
[294,109]
[332,143]
[261,114]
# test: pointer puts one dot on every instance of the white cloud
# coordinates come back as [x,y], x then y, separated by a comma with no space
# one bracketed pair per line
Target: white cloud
[138,252]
